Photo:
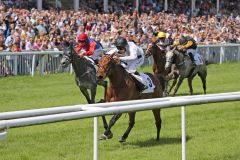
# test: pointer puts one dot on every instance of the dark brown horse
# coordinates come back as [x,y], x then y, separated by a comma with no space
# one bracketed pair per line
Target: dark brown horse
[159,61]
[122,87]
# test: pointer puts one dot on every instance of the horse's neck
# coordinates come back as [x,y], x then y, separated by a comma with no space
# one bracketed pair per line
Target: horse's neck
[79,65]
[179,58]
[158,56]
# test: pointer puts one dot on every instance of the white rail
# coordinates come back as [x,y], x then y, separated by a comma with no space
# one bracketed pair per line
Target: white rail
[95,110]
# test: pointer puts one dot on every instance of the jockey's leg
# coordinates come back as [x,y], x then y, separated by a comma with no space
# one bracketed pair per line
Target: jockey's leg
[131,68]
[92,62]
[141,83]
[191,53]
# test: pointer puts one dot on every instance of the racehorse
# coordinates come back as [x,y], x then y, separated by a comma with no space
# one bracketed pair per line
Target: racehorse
[122,87]
[159,61]
[85,75]
[186,69]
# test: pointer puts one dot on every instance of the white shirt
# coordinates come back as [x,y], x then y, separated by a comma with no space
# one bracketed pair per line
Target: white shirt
[132,52]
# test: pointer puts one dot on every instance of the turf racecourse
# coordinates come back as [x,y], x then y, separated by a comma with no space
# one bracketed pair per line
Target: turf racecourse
[213,130]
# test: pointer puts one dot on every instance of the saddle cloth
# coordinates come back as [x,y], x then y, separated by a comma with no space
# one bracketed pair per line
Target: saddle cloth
[198,59]
[148,83]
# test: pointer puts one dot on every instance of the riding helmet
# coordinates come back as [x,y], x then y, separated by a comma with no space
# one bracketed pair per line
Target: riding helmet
[120,42]
[161,35]
[82,37]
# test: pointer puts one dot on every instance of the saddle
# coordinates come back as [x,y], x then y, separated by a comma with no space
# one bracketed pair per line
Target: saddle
[143,82]
[92,61]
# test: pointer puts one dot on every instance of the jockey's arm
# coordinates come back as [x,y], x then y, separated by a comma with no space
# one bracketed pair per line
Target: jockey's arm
[187,45]
[79,48]
[91,49]
[132,56]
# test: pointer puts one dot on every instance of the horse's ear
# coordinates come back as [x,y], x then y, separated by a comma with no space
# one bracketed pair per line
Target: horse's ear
[65,44]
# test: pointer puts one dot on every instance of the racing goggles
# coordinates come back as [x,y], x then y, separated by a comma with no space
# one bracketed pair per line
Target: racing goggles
[120,48]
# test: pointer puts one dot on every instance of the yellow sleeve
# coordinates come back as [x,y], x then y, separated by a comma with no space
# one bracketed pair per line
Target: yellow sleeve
[186,46]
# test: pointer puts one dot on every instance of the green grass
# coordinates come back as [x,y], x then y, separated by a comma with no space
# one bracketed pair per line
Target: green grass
[213,130]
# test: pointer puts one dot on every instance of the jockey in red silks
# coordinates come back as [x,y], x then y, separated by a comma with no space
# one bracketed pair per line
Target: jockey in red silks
[88,47]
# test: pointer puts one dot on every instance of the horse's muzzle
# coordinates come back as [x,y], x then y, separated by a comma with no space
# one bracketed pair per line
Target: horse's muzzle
[99,78]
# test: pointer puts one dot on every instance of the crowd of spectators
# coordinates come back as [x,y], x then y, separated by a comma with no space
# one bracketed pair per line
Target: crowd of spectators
[30,29]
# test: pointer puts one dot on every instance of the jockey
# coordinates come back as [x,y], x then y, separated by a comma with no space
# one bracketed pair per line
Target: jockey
[188,45]
[164,41]
[132,57]
[90,47]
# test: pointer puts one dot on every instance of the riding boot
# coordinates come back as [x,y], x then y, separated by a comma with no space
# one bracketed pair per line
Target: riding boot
[192,58]
[139,82]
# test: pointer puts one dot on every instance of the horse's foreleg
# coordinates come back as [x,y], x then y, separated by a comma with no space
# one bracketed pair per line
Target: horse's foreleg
[105,125]
[105,90]
[190,85]
[108,134]
[93,93]
[173,85]
[180,80]
[86,95]
[130,126]
[158,121]
[165,92]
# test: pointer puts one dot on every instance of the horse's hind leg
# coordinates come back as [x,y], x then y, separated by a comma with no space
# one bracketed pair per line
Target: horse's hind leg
[158,121]
[108,134]
[130,126]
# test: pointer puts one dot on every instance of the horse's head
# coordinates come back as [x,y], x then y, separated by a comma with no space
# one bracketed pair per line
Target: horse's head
[68,53]
[106,63]
[169,60]
[149,51]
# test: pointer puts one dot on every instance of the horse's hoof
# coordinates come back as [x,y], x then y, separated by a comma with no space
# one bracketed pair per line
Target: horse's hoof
[122,140]
[110,136]
[103,137]
[101,101]
[166,94]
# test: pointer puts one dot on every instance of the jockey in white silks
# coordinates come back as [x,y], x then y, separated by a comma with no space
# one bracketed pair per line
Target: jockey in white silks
[131,56]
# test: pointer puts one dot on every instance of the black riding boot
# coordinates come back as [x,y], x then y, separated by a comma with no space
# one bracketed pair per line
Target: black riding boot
[141,87]
[192,58]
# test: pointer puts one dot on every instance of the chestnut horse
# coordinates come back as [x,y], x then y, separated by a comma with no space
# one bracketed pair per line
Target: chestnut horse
[122,87]
[158,67]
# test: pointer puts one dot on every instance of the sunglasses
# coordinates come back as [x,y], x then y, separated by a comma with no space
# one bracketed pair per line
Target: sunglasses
[120,48]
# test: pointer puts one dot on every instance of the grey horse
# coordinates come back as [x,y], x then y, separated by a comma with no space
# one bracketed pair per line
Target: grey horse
[185,69]
[85,75]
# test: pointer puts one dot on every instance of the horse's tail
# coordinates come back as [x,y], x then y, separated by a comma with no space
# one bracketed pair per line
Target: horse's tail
[161,79]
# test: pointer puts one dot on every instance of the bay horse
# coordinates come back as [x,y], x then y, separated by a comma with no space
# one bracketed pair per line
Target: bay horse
[158,67]
[186,69]
[122,87]
[85,75]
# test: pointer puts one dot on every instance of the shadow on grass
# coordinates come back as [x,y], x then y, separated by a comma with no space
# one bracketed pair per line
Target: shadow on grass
[187,94]
[163,141]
